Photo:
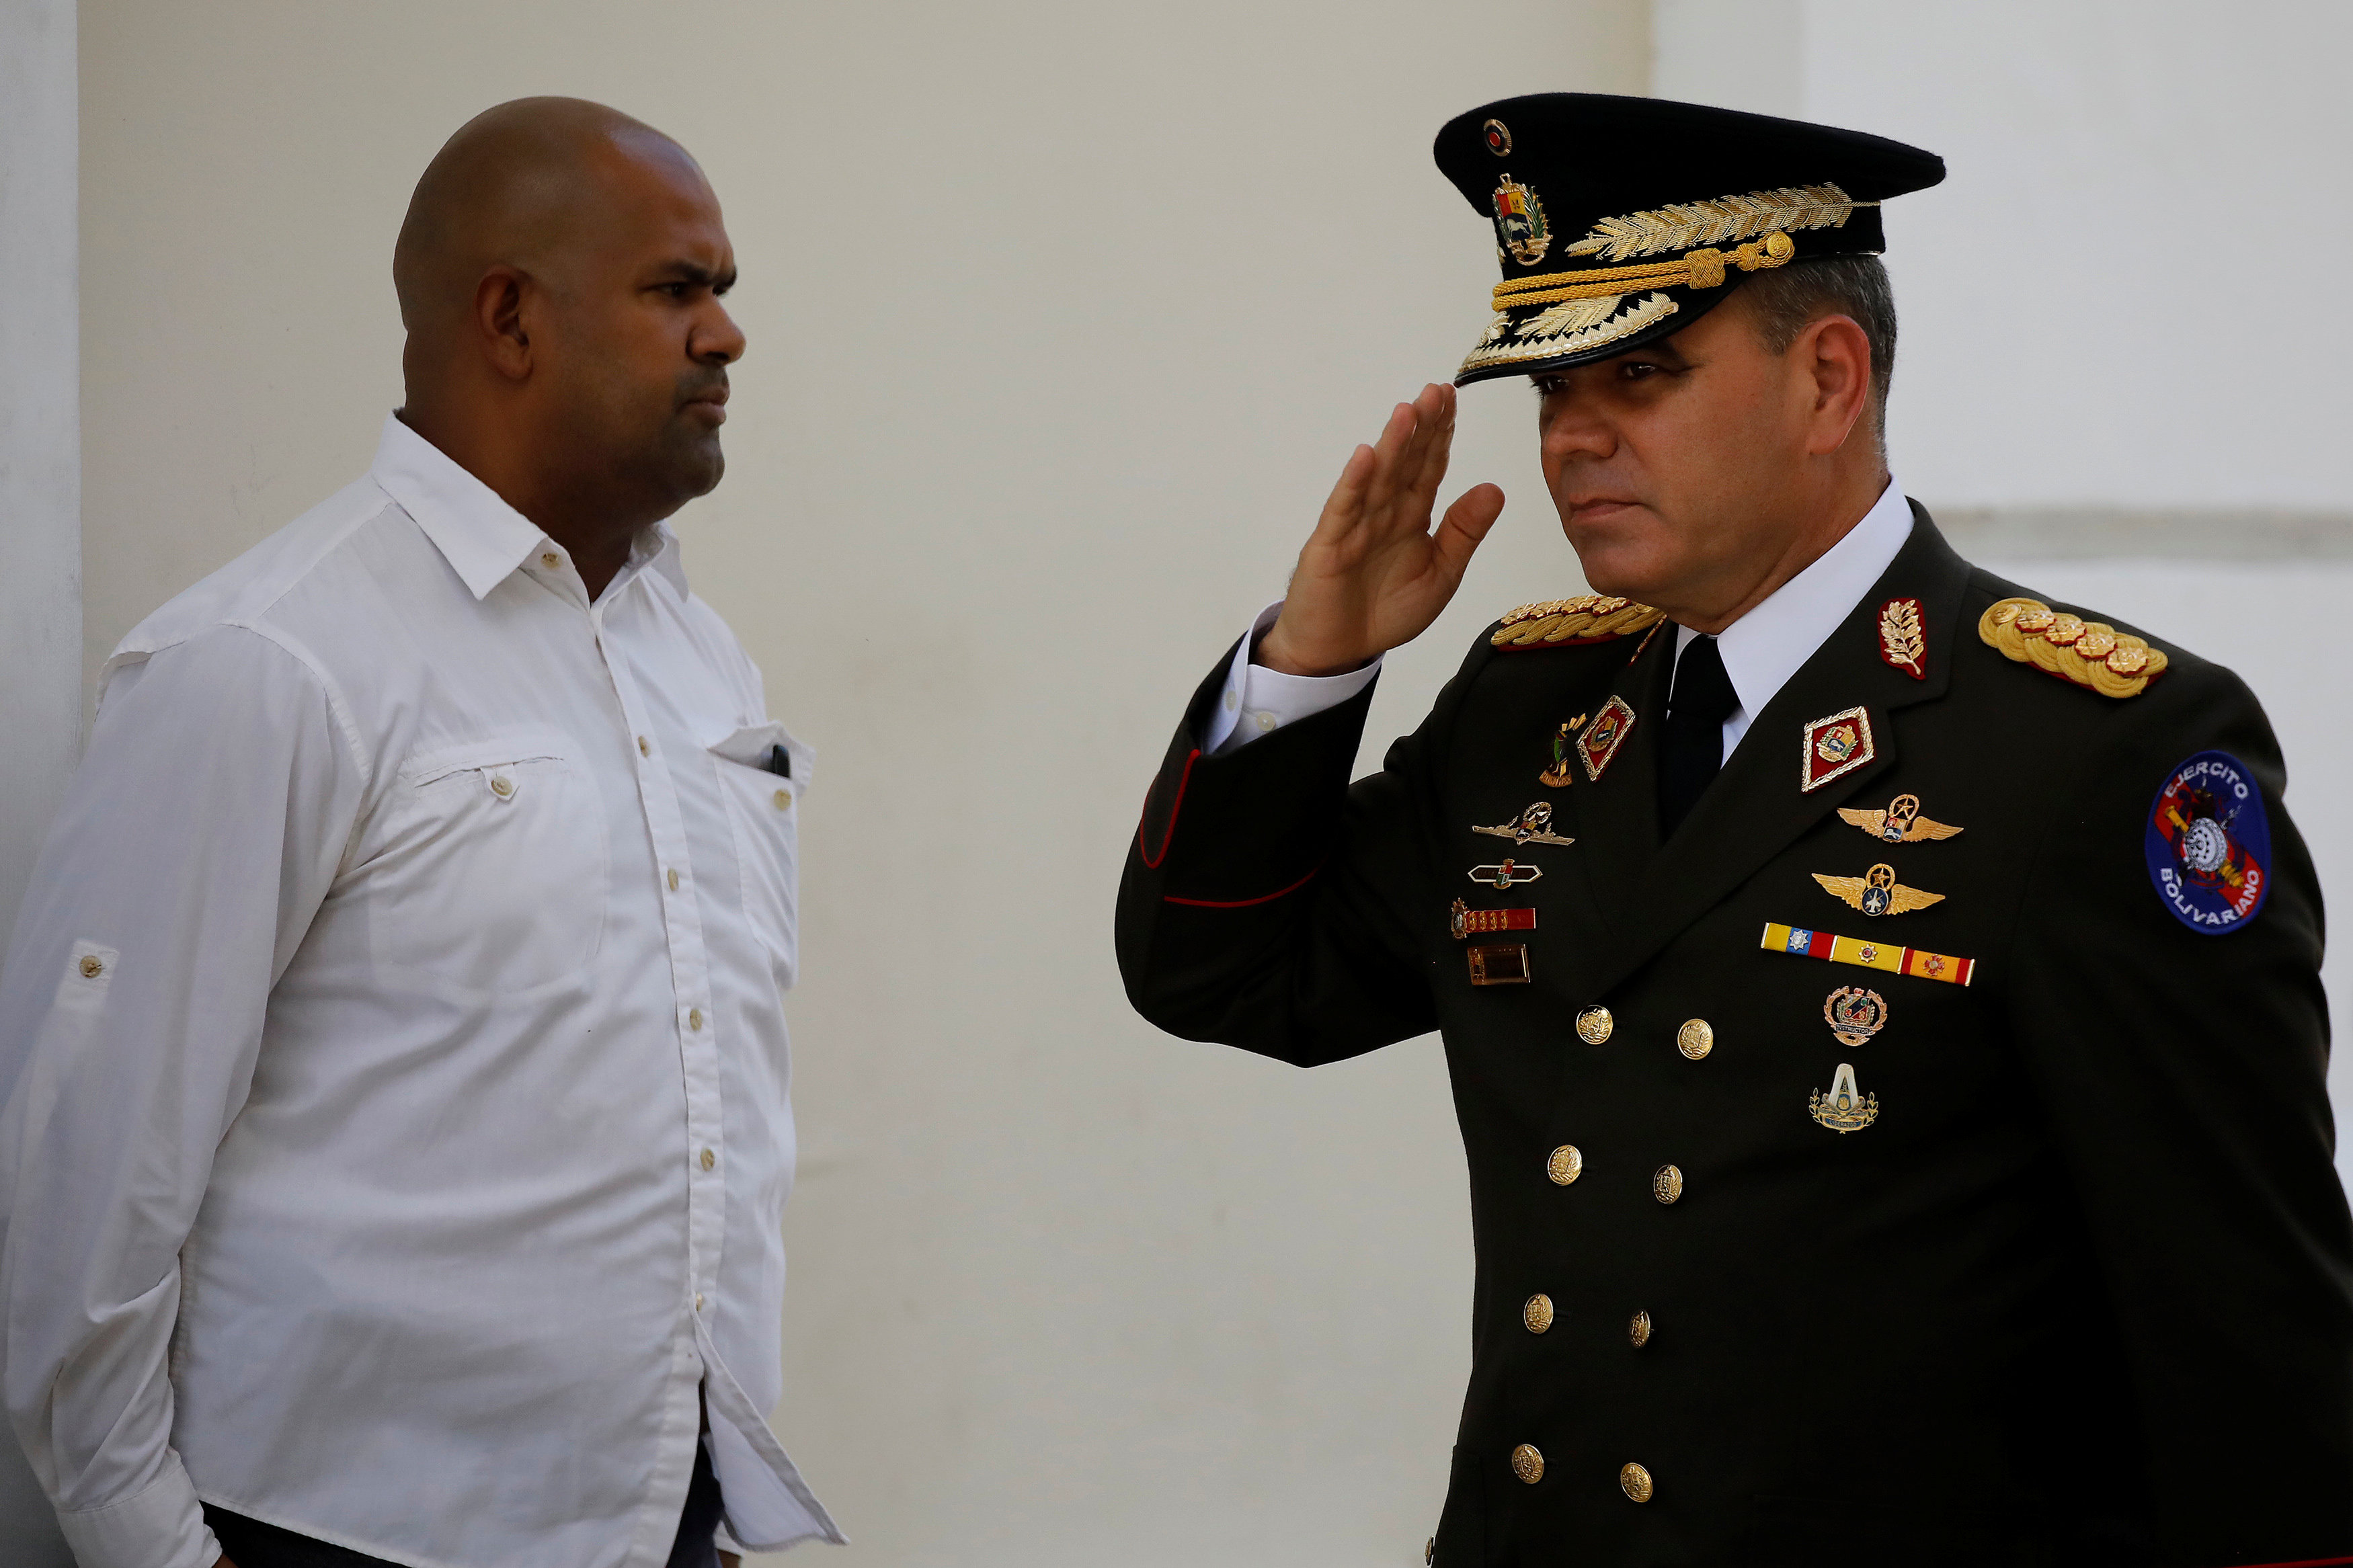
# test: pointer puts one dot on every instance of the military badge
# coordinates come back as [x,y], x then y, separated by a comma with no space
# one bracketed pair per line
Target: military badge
[1558,775]
[1845,1108]
[1534,826]
[1511,873]
[1877,892]
[1800,943]
[1598,745]
[1520,226]
[1466,922]
[2208,844]
[1903,637]
[1901,823]
[1835,746]
[1854,1015]
[1498,137]
[1499,965]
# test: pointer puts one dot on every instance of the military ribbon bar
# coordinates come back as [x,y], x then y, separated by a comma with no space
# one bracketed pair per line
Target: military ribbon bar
[1881,955]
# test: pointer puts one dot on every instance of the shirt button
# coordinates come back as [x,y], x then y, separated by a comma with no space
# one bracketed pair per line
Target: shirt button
[503,786]
[1233,699]
[1635,1482]
[1666,1184]
[698,1300]
[550,559]
[1695,1038]
[709,1159]
[1566,1164]
[1637,1330]
[784,798]
[92,966]
[674,878]
[643,749]
[1535,1312]
[1527,1463]
[1593,1026]
[1265,721]
[694,1018]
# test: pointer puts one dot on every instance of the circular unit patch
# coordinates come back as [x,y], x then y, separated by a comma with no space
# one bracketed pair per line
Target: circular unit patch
[2209,844]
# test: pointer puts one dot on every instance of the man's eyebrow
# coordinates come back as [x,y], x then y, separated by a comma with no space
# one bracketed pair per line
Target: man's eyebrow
[681,271]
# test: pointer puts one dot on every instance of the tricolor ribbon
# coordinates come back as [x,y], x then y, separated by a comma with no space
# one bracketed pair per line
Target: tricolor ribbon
[1881,955]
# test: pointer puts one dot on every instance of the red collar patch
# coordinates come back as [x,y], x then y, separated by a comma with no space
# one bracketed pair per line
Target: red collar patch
[1903,637]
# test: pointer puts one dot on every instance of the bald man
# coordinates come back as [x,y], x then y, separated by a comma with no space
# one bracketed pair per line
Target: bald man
[395,1137]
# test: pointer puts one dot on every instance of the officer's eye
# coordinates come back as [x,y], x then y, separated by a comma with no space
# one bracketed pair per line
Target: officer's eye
[1546,385]
[1637,369]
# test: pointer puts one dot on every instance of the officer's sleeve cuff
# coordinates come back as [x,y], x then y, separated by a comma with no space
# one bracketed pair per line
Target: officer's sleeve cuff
[160,1526]
[1258,700]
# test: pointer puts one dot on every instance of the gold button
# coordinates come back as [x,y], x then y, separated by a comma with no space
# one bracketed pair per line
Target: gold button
[1666,1184]
[644,750]
[92,966]
[1527,1463]
[694,1018]
[1635,1482]
[674,878]
[1537,1314]
[550,559]
[1593,1026]
[1637,1330]
[502,786]
[1695,1038]
[709,1159]
[784,799]
[1564,1166]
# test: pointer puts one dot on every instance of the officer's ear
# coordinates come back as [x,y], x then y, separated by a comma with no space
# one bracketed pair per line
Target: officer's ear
[1829,361]
[500,301]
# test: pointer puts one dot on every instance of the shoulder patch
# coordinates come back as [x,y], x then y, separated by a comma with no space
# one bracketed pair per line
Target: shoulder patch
[1572,623]
[2209,844]
[2089,652]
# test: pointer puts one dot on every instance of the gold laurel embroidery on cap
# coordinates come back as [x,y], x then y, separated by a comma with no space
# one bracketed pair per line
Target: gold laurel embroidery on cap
[2089,652]
[1632,319]
[1588,618]
[1572,316]
[1679,226]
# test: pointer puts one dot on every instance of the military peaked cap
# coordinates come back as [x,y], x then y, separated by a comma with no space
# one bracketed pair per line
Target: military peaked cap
[1619,220]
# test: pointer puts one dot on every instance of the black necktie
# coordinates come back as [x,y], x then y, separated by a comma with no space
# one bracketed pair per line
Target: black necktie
[1702,700]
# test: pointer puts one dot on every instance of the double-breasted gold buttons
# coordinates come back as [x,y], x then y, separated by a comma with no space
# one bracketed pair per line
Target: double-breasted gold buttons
[1635,1482]
[1695,1038]
[1536,1313]
[1565,1165]
[1593,1026]
[1666,1184]
[1527,1463]
[1637,1330]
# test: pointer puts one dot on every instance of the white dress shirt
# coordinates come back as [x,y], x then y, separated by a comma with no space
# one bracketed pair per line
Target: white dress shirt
[395,1133]
[1761,650]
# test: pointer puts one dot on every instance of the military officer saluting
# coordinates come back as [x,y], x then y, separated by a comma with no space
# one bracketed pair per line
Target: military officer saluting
[1882,1005]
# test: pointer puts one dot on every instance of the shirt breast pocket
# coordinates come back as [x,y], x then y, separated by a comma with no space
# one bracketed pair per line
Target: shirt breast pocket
[764,813]
[499,865]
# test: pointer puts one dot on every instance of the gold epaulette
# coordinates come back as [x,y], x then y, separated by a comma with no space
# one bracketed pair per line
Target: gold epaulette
[2089,652]
[1567,623]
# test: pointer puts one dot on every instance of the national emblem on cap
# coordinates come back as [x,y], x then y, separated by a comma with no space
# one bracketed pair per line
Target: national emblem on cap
[1640,212]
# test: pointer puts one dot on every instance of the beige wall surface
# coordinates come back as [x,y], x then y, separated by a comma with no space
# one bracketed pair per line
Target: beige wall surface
[1061,320]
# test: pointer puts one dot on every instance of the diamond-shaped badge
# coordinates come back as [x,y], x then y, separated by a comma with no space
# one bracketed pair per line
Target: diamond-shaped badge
[1835,746]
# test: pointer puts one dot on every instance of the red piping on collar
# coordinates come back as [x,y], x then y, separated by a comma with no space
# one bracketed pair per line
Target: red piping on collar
[1151,861]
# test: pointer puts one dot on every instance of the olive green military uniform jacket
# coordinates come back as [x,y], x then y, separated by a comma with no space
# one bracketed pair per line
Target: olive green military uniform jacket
[2080,1290]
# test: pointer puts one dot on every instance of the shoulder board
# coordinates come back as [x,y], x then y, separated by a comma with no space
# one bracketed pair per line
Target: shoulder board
[2089,652]
[1571,622]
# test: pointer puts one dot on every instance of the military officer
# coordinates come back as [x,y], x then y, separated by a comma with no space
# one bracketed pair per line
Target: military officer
[1882,1005]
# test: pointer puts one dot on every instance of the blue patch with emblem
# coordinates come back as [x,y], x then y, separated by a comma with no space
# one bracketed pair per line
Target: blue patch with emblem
[2209,844]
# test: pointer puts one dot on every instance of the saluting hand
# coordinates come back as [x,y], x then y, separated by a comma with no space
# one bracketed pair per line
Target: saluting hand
[1373,575]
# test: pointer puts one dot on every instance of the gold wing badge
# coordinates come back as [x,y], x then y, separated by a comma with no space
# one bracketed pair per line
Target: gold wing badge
[1901,823]
[1533,826]
[1877,892]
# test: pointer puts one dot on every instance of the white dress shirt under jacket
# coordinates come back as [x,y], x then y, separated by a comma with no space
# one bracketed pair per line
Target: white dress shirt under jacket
[1761,650]
[395,1133]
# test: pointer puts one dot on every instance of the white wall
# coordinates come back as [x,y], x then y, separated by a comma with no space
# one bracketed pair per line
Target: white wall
[1062,317]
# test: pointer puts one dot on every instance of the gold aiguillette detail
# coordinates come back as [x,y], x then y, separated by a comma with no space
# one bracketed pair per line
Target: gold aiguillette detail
[1533,826]
[1877,892]
[1845,1108]
[1901,823]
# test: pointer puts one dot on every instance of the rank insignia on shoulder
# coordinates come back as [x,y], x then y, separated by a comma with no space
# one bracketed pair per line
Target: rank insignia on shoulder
[1598,745]
[1854,1015]
[1845,1108]
[1572,623]
[1903,637]
[1560,775]
[1800,943]
[1877,892]
[1835,746]
[1500,965]
[1534,826]
[1466,922]
[1511,873]
[1901,823]
[2089,652]
[2208,844]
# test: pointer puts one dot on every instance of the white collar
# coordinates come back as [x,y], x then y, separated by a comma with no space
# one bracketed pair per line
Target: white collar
[1772,642]
[483,539]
